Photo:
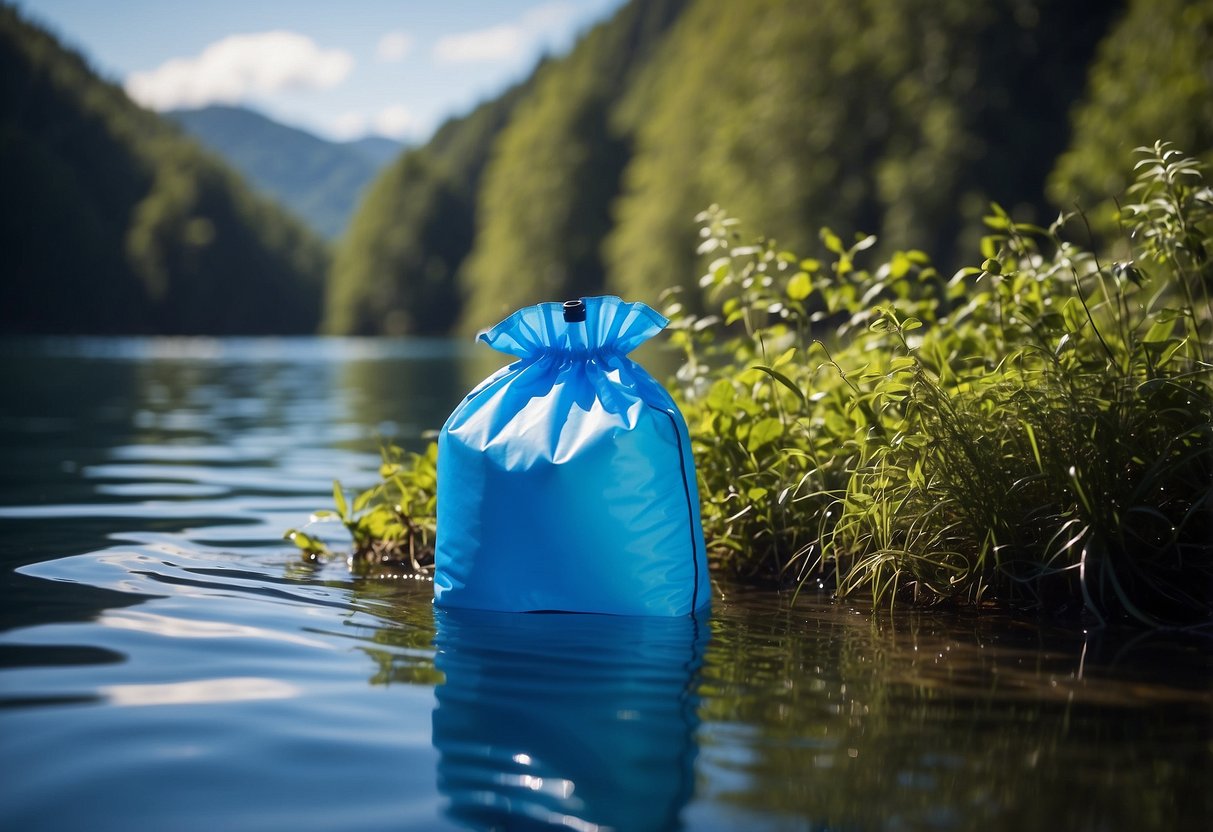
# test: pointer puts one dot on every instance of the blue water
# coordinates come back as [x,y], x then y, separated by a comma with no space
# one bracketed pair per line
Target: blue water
[167,661]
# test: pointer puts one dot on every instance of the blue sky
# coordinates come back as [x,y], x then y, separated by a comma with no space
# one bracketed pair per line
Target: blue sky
[340,70]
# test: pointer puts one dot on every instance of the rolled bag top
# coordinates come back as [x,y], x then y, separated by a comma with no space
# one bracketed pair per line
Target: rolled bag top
[611,325]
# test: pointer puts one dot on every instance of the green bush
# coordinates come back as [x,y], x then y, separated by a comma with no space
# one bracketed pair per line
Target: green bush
[1036,429]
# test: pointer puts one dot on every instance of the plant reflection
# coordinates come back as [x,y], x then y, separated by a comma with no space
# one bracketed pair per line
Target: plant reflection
[916,720]
[805,715]
[566,721]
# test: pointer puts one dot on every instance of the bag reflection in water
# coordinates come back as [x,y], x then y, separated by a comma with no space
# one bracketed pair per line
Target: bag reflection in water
[565,480]
[567,721]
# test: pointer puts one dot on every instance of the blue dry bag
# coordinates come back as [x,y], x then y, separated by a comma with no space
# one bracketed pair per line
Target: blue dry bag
[565,480]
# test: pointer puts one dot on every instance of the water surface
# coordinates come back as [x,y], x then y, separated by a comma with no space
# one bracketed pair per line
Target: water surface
[167,661]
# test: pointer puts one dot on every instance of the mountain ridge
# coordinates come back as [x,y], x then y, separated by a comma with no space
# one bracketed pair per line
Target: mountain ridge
[318,180]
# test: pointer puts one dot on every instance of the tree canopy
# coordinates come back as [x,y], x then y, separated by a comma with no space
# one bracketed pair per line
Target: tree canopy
[901,119]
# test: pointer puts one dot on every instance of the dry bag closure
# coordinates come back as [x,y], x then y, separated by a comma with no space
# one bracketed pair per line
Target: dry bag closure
[565,480]
[574,311]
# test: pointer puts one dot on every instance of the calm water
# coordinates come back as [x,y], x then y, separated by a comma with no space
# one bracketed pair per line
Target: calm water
[168,662]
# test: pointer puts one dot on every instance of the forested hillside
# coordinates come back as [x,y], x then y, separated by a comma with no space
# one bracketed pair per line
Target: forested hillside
[903,119]
[395,270]
[113,222]
[318,180]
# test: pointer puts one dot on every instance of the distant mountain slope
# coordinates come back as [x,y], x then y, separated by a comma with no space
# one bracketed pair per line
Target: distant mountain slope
[319,181]
[380,150]
[112,222]
[555,173]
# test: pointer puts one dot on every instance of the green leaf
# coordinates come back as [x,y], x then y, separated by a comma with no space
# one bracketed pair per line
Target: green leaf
[1159,332]
[800,286]
[832,241]
[305,542]
[364,499]
[339,501]
[784,380]
[721,395]
[756,493]
[899,265]
[764,432]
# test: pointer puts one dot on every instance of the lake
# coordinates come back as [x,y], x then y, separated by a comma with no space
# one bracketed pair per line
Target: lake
[167,661]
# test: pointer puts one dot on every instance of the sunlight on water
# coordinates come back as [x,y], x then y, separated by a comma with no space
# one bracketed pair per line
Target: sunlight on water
[201,692]
[163,625]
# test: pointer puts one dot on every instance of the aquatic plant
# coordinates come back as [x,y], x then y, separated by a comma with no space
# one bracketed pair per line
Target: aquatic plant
[392,523]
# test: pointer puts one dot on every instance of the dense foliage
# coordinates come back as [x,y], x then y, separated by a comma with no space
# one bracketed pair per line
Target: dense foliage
[392,523]
[320,181]
[1153,76]
[905,118]
[114,222]
[1038,429]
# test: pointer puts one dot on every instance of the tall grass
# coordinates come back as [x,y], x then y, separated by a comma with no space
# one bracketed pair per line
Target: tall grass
[1036,429]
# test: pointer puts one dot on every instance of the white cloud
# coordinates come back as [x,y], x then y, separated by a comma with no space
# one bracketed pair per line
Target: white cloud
[507,41]
[496,44]
[349,126]
[397,122]
[394,46]
[238,67]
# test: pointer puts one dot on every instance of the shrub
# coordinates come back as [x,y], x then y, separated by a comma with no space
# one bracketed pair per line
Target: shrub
[1035,429]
